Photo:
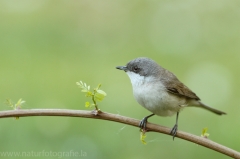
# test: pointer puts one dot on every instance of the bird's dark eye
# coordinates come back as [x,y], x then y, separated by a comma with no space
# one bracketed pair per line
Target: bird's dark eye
[135,68]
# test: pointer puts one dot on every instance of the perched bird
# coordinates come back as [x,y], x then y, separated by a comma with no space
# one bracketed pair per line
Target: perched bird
[159,91]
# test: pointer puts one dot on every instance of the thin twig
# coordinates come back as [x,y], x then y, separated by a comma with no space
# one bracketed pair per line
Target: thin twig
[121,119]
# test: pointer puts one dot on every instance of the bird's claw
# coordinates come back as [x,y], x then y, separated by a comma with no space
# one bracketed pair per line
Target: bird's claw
[174,131]
[143,124]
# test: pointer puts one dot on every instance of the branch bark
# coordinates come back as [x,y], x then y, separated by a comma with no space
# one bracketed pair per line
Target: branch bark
[121,119]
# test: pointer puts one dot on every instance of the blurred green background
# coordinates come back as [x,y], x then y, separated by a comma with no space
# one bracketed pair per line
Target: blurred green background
[47,46]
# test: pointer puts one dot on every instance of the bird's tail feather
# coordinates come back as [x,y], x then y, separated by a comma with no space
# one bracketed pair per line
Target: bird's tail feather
[218,112]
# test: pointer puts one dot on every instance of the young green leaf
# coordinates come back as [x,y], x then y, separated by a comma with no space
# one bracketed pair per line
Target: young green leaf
[99,85]
[18,105]
[89,94]
[204,133]
[101,92]
[96,94]
[9,103]
[142,137]
[99,96]
[87,104]
[84,86]
[84,90]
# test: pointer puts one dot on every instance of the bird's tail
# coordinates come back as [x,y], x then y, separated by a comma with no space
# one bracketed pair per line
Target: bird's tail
[218,112]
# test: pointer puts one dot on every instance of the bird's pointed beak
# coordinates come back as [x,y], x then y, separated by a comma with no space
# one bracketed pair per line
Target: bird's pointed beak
[124,68]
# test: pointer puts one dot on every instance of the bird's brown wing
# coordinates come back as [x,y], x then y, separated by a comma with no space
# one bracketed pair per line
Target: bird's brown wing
[181,90]
[174,86]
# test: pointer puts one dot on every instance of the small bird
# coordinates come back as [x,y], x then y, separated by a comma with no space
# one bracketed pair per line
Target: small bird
[159,91]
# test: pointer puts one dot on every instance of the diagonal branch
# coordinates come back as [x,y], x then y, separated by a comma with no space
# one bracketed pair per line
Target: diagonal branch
[121,119]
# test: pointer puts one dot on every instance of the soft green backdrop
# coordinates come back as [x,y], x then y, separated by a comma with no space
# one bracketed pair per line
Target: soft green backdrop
[47,46]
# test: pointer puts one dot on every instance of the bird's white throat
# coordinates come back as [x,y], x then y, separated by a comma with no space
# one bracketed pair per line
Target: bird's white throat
[136,79]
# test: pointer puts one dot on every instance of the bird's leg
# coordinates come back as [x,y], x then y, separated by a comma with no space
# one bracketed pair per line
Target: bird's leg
[175,128]
[143,122]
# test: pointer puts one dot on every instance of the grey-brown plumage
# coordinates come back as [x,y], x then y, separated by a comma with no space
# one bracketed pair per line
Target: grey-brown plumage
[160,91]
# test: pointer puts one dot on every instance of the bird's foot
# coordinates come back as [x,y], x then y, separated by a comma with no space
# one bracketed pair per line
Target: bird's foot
[174,131]
[143,124]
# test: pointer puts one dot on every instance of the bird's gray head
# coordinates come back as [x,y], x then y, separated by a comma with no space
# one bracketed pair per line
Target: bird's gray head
[142,66]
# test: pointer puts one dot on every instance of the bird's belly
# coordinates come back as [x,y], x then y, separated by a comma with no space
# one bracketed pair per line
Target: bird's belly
[159,102]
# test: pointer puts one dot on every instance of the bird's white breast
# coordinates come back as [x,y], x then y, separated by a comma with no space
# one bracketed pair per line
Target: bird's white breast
[152,94]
